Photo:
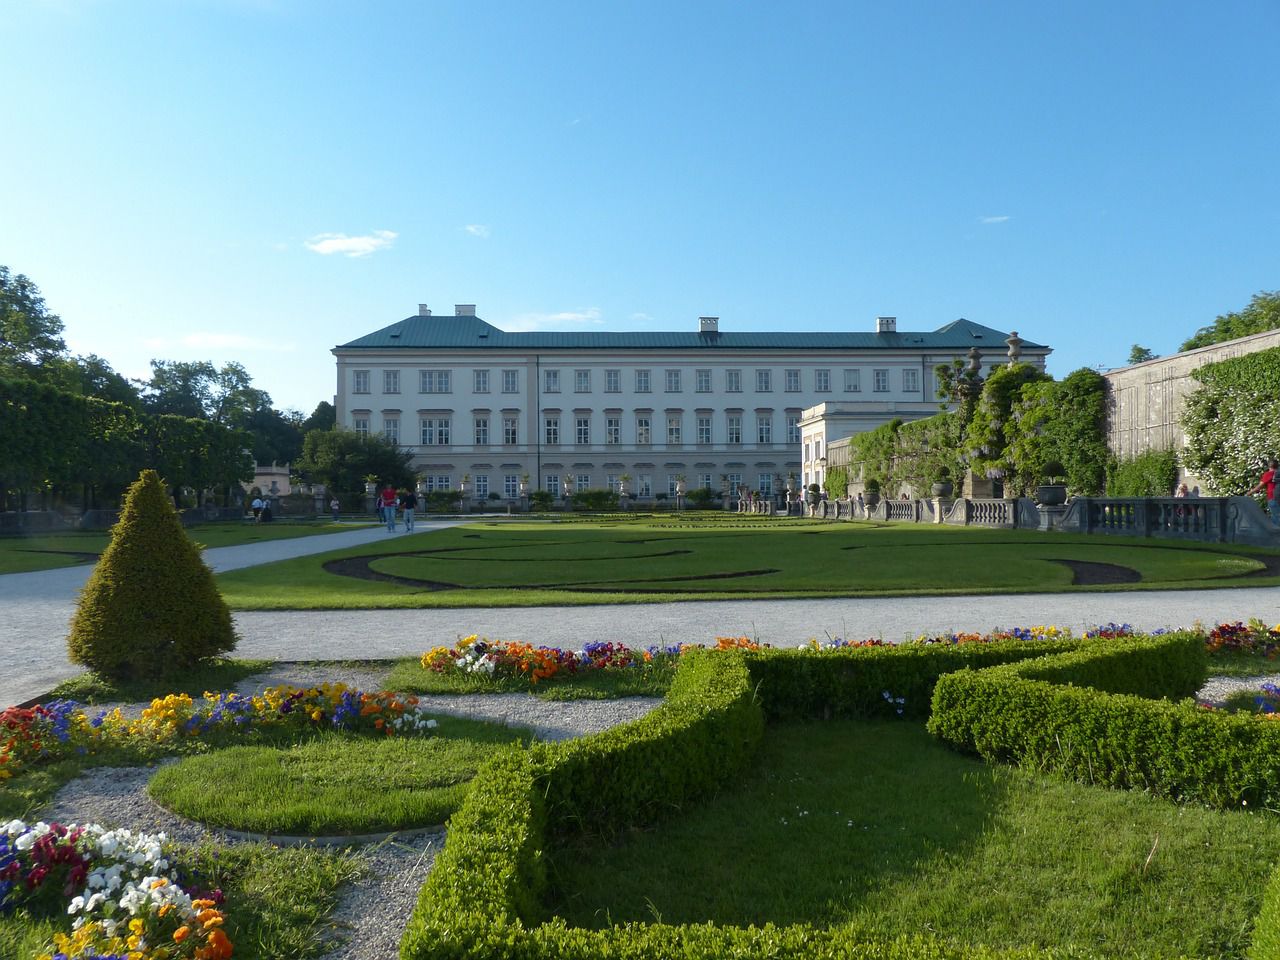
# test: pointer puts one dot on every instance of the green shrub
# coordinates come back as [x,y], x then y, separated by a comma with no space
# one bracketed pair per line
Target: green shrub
[541,500]
[151,606]
[704,498]
[595,500]
[1150,474]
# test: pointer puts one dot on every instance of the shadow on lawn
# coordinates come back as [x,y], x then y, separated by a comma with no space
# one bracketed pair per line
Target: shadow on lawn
[832,813]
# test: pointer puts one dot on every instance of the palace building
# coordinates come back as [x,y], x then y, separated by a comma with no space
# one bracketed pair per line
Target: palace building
[584,411]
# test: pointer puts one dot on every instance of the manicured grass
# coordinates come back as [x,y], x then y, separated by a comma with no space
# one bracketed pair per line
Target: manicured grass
[876,825]
[278,900]
[634,561]
[647,680]
[48,551]
[91,688]
[333,784]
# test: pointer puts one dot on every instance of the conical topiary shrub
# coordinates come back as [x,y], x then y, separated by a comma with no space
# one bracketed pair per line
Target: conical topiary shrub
[151,607]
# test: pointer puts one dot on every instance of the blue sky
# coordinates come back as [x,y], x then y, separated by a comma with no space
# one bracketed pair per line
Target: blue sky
[258,181]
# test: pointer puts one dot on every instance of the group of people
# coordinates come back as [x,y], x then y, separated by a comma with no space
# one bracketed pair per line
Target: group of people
[390,503]
[261,507]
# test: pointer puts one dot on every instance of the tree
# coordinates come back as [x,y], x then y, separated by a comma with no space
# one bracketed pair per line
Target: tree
[323,417]
[151,607]
[30,336]
[1262,314]
[1140,354]
[179,388]
[341,459]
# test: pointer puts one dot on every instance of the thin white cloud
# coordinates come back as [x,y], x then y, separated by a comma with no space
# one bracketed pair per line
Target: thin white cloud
[993,219]
[568,320]
[327,243]
[641,317]
[477,230]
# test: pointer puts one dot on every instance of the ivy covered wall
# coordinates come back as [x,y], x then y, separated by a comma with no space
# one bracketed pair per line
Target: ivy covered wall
[1232,421]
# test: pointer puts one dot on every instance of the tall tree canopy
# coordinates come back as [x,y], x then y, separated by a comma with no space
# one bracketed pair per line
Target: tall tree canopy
[29,334]
[1262,314]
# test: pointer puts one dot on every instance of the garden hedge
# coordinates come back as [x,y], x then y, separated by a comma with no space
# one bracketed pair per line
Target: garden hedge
[482,898]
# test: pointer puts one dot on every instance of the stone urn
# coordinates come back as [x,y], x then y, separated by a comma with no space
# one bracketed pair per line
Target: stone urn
[941,489]
[1051,494]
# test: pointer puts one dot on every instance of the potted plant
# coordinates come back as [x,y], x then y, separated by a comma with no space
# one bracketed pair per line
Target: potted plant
[813,493]
[942,485]
[871,493]
[1052,491]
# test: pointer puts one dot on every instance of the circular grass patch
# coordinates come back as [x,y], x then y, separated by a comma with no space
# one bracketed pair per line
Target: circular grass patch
[333,784]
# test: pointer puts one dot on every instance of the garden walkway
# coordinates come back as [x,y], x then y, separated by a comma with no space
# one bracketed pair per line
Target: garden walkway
[35,609]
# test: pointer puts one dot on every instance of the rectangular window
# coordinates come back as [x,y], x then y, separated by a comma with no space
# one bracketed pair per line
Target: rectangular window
[360,426]
[551,431]
[437,481]
[551,484]
[611,482]
[391,428]
[735,484]
[479,381]
[764,381]
[390,381]
[613,430]
[765,484]
[582,381]
[704,481]
[793,381]
[644,488]
[510,431]
[821,381]
[482,431]
[582,482]
[359,381]
[852,381]
[673,381]
[582,430]
[434,381]
[910,380]
[817,449]
[642,431]
[704,429]
[510,381]
[511,485]
[673,430]
[764,428]
[793,428]
[613,381]
[550,381]
[702,381]
[806,452]
[733,432]
[881,381]
[642,381]
[482,486]
[671,485]
[435,431]
[733,381]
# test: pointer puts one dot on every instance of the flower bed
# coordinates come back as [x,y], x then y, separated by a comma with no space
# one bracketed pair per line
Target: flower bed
[63,728]
[119,888]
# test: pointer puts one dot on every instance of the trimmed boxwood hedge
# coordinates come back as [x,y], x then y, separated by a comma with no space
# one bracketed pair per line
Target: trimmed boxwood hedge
[482,898]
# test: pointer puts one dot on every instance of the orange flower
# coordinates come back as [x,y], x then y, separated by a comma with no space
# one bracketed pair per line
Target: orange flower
[181,934]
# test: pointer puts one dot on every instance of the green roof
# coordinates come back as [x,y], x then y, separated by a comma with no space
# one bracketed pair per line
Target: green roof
[445,332]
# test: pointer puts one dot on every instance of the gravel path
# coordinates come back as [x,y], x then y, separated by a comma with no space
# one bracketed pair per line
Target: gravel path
[371,913]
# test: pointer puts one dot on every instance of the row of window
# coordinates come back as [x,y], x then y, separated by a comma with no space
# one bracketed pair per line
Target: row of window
[554,484]
[441,381]
[437,431]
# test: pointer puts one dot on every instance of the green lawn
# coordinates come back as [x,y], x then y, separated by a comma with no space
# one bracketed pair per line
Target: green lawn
[875,825]
[636,561]
[48,551]
[335,783]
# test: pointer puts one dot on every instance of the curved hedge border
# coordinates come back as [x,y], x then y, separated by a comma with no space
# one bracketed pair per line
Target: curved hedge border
[482,898]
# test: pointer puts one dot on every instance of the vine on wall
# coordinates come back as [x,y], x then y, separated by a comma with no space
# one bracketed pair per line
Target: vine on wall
[1232,421]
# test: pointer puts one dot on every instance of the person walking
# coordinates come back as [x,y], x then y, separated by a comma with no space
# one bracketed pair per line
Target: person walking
[1267,482]
[256,506]
[334,507]
[408,504]
[388,503]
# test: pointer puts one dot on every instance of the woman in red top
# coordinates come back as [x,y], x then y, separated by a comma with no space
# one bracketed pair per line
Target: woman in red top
[387,501]
[1268,481]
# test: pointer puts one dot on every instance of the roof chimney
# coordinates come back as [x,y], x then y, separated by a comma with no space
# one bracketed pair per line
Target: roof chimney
[424,310]
[708,324]
[464,309]
[886,324]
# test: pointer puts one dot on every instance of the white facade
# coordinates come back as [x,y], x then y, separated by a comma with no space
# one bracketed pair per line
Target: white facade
[710,408]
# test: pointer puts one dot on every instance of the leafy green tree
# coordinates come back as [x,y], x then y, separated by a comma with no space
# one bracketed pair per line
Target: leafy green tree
[1262,314]
[985,438]
[341,459]
[1150,474]
[30,336]
[151,606]
[1230,421]
[179,388]
[1065,422]
[1140,354]
[323,417]
[195,453]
